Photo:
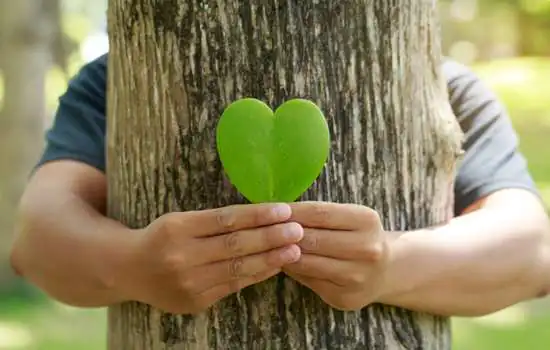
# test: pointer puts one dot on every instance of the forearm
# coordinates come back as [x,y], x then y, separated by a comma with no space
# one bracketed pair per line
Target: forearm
[477,264]
[71,251]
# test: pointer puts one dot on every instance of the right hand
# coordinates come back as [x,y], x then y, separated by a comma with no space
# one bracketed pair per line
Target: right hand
[184,262]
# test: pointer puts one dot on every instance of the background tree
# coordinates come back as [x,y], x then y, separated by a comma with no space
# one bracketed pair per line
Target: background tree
[481,30]
[372,66]
[28,31]
[485,34]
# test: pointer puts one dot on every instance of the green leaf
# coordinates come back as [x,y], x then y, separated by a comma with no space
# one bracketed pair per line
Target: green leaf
[272,157]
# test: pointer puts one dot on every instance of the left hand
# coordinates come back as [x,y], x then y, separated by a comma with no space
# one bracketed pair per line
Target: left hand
[344,253]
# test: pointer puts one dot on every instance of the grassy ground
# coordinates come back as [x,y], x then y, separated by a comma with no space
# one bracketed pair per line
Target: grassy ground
[521,83]
[515,333]
[47,326]
[524,326]
[524,87]
[43,325]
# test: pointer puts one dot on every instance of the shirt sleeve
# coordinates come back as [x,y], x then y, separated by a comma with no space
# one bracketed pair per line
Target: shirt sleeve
[491,160]
[78,129]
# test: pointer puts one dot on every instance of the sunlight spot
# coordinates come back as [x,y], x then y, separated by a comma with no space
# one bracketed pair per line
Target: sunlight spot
[513,76]
[66,308]
[512,316]
[464,51]
[544,189]
[14,336]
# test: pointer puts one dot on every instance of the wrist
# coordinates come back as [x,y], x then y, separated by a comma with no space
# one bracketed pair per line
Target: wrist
[542,270]
[395,282]
[411,263]
[119,264]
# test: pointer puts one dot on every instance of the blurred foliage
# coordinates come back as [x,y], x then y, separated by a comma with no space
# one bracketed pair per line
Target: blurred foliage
[531,334]
[44,325]
[489,34]
[523,84]
[488,29]
[77,27]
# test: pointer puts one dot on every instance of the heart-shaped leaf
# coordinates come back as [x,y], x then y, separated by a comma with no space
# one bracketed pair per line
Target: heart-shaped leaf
[272,157]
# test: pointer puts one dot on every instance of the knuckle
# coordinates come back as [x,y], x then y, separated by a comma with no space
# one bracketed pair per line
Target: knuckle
[232,243]
[320,214]
[235,267]
[173,263]
[375,253]
[370,216]
[355,278]
[187,285]
[225,218]
[310,242]
[166,227]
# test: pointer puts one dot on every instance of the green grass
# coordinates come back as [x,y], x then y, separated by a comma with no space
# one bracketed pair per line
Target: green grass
[530,333]
[43,325]
[47,326]
[523,85]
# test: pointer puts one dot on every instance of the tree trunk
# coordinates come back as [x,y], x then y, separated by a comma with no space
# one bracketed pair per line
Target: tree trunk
[372,66]
[25,36]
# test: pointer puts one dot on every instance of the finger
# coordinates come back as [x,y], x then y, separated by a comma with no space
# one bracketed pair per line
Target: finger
[247,242]
[315,284]
[237,217]
[218,292]
[334,216]
[339,272]
[347,245]
[208,276]
[335,296]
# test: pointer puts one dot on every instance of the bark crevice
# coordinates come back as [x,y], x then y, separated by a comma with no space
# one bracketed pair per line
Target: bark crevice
[372,66]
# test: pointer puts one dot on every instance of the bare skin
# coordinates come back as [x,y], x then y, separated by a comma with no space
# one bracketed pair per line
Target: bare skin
[493,256]
[181,263]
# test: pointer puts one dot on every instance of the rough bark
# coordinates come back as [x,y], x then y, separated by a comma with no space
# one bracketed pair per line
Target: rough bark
[25,35]
[372,66]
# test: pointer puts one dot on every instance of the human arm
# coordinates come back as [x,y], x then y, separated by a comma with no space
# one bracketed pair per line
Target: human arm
[492,255]
[477,264]
[182,262]
[64,243]
[66,194]
[490,258]
[498,243]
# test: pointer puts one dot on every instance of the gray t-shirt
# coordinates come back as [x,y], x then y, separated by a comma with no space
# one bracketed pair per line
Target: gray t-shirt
[491,161]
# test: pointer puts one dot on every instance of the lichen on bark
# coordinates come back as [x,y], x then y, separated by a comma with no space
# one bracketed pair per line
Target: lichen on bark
[374,69]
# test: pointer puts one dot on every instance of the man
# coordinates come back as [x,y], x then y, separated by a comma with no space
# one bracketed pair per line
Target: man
[495,253]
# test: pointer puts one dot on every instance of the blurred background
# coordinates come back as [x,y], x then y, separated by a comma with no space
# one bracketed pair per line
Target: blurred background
[43,43]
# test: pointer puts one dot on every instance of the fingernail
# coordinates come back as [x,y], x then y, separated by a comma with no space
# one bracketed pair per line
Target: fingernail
[282,211]
[293,231]
[291,254]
